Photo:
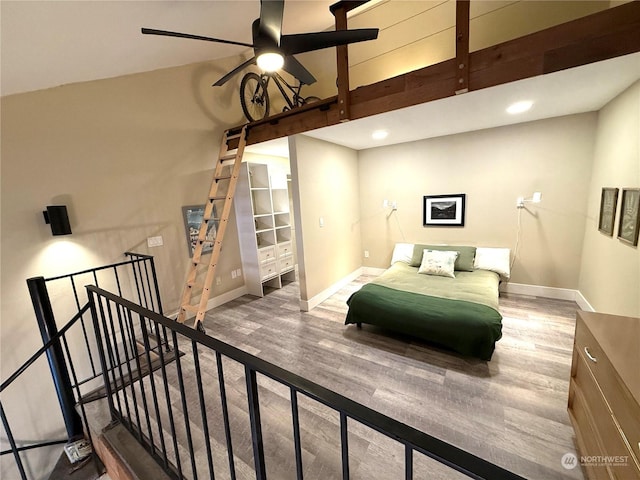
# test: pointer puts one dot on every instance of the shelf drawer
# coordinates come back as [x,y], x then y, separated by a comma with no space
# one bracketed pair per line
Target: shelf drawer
[267,254]
[611,438]
[619,400]
[268,270]
[286,263]
[586,432]
[285,249]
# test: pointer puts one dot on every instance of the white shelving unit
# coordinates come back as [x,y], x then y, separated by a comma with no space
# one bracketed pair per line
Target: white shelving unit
[264,227]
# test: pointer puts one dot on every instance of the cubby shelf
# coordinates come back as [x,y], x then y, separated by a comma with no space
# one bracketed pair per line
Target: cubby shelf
[264,227]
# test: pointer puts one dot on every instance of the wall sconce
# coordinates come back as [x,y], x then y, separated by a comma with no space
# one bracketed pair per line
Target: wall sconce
[57,217]
[537,196]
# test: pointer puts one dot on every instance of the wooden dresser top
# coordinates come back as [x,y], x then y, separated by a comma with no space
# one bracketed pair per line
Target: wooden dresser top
[619,338]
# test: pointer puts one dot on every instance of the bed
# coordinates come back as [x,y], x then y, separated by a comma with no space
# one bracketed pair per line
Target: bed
[457,310]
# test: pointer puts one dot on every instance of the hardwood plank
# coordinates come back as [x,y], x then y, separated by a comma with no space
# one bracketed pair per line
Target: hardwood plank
[510,411]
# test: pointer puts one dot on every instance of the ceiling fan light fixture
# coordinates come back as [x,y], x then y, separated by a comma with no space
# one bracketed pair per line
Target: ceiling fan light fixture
[270,61]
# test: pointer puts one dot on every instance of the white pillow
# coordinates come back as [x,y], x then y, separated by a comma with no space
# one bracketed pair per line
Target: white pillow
[402,252]
[438,262]
[493,259]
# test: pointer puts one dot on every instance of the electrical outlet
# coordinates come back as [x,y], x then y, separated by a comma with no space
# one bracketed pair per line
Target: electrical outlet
[239,272]
[233,274]
[218,281]
[366,254]
[321,222]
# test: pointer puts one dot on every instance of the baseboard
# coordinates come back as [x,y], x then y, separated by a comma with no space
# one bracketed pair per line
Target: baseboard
[218,300]
[306,305]
[547,292]
[373,271]
[583,303]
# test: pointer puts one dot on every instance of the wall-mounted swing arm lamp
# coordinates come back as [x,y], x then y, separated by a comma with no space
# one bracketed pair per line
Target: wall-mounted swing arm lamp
[58,218]
[536,198]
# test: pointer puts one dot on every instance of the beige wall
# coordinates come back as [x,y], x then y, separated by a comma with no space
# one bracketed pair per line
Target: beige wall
[610,275]
[493,168]
[415,34]
[124,154]
[325,184]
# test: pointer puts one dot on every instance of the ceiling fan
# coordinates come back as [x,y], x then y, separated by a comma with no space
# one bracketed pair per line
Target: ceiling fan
[272,50]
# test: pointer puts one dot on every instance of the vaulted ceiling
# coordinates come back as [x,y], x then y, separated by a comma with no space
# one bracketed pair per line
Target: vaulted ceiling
[50,43]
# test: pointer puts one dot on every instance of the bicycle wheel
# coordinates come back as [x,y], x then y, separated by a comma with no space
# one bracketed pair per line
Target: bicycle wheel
[311,99]
[254,97]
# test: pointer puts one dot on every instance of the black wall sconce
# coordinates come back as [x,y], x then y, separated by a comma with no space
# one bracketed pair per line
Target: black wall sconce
[57,217]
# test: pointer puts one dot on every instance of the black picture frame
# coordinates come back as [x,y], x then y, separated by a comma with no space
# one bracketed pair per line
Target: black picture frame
[608,207]
[629,223]
[192,216]
[443,210]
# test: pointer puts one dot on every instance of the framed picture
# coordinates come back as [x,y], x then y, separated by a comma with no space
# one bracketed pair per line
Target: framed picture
[444,210]
[192,216]
[608,205]
[629,223]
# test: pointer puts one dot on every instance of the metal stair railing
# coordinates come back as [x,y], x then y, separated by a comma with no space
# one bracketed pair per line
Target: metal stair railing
[136,278]
[169,419]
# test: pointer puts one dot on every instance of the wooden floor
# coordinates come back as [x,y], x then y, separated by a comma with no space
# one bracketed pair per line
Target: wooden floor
[510,411]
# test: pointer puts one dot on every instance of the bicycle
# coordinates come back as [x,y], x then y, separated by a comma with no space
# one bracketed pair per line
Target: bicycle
[254,95]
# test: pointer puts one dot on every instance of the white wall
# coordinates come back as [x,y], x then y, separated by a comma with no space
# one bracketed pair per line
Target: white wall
[610,269]
[325,185]
[492,167]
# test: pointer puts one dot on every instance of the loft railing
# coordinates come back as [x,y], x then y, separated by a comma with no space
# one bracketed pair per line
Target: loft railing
[73,362]
[172,411]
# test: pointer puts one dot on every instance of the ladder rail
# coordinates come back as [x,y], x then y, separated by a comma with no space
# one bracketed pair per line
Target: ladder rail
[223,161]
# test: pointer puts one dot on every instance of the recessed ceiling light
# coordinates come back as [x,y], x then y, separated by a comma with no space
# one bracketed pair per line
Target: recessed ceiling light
[379,134]
[519,107]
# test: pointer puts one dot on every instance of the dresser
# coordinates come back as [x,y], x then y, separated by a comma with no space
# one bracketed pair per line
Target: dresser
[264,227]
[604,395]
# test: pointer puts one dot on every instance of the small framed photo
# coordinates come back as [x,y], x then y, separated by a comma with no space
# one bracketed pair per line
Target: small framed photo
[608,205]
[629,224]
[444,210]
[192,216]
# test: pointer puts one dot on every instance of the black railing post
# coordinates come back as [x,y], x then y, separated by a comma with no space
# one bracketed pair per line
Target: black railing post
[55,355]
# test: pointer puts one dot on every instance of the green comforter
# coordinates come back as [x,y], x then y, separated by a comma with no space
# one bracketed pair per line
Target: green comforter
[458,313]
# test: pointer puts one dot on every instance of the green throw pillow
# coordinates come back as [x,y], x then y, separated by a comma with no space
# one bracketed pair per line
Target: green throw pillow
[464,262]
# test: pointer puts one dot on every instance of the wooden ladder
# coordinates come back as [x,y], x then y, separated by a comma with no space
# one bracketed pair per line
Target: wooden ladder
[227,169]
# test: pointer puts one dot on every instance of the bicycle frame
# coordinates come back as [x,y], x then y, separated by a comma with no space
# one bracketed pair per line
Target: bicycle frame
[279,81]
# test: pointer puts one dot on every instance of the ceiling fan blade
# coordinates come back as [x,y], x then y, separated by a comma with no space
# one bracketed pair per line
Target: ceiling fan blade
[226,78]
[271,13]
[308,42]
[295,68]
[164,33]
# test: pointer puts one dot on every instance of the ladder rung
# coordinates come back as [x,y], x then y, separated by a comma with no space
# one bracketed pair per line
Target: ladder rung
[225,158]
[233,136]
[223,177]
[219,197]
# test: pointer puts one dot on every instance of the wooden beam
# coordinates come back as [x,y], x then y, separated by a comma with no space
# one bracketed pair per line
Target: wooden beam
[342,59]
[600,36]
[462,45]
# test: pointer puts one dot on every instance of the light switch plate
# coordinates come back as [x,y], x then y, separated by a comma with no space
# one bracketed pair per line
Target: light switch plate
[155,241]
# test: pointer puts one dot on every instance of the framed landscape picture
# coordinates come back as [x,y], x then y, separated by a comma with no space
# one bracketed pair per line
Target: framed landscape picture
[608,205]
[444,210]
[629,223]
[192,216]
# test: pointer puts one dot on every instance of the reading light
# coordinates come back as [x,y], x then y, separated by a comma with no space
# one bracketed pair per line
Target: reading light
[519,107]
[270,61]
[379,134]
[537,197]
[57,217]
